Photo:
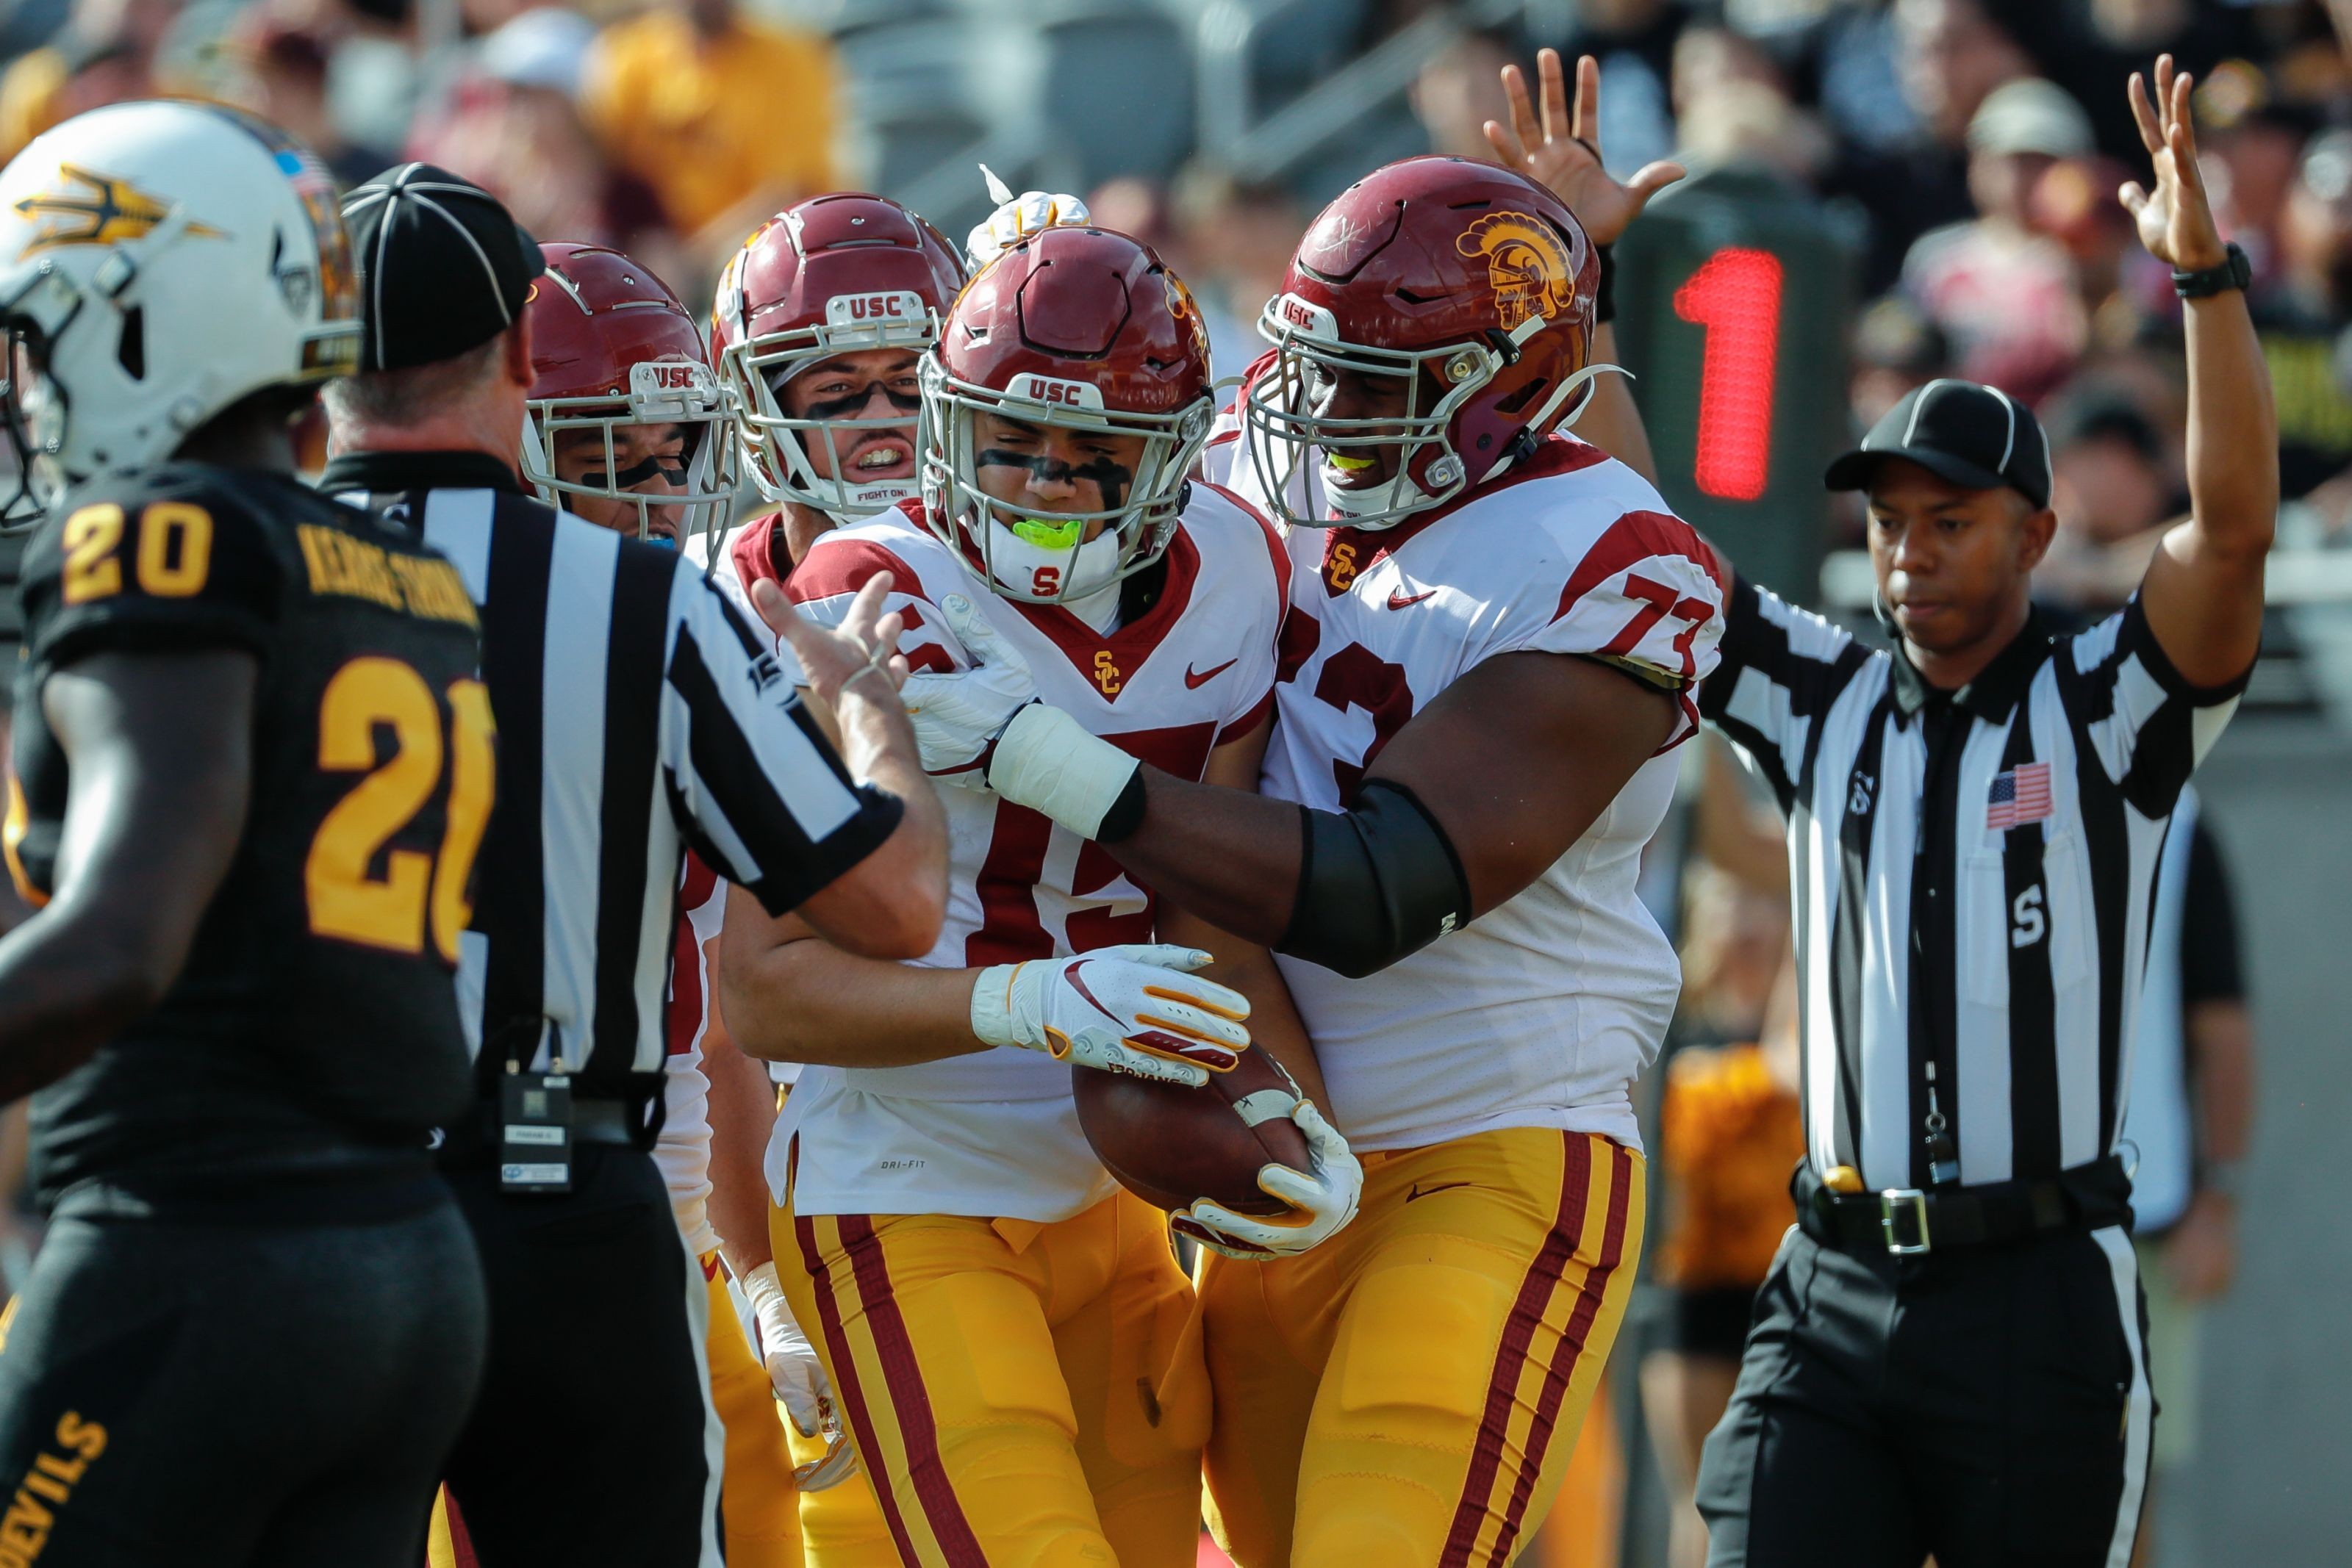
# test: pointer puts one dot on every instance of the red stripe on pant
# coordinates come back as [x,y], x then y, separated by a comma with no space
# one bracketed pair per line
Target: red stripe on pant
[902,1377]
[845,1387]
[1569,1350]
[461,1545]
[1511,1356]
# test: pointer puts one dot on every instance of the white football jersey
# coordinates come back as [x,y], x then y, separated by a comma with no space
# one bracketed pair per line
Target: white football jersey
[683,1150]
[996,1133]
[1540,1012]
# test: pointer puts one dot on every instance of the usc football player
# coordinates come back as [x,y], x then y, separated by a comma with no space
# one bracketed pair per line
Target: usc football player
[1494,635]
[815,333]
[1007,1329]
[625,428]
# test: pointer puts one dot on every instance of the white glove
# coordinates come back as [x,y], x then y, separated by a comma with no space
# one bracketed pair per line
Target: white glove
[798,1376]
[1131,1009]
[1017,217]
[1324,1194]
[957,715]
[1035,756]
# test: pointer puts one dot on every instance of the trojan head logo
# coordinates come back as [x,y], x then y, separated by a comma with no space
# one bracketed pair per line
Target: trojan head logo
[94,209]
[1526,262]
[1188,320]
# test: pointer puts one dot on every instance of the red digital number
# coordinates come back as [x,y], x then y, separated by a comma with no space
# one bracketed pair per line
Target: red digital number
[1735,296]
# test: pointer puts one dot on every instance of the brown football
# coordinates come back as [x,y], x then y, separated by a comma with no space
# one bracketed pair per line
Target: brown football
[1170,1145]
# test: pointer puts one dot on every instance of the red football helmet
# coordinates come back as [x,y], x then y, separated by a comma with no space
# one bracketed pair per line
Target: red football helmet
[1472,284]
[1080,328]
[611,346]
[834,274]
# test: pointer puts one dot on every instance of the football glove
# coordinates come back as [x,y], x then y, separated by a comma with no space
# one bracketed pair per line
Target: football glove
[957,717]
[798,1376]
[1136,1010]
[1017,217]
[984,728]
[1323,1197]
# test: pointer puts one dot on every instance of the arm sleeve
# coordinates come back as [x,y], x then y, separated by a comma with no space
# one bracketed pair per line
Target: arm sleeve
[1779,669]
[758,790]
[2148,726]
[150,568]
[2211,969]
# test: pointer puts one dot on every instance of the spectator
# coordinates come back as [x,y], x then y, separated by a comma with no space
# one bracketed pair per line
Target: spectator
[727,118]
[1896,351]
[2114,488]
[2302,312]
[2002,292]
[1948,55]
[2256,142]
[1239,235]
[105,55]
[511,125]
[280,74]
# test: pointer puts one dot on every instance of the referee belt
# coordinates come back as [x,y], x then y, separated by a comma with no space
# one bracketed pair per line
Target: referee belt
[1910,1222]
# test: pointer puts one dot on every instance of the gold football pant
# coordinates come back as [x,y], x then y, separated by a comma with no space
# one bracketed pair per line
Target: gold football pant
[758,1503]
[1407,1395]
[1022,1395]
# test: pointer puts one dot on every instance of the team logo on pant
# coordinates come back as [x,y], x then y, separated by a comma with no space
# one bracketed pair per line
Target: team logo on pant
[1525,261]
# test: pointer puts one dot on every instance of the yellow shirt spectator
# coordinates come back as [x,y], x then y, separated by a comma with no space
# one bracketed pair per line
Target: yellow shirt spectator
[712,115]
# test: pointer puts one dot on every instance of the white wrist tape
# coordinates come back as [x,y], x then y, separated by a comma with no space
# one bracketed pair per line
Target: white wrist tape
[991,1006]
[1049,762]
[760,1287]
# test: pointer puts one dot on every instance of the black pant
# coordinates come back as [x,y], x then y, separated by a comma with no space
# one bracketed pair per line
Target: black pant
[237,1395]
[1988,1405]
[594,1443]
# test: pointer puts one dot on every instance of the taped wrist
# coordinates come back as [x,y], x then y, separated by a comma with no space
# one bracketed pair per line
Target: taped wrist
[1049,762]
[1375,884]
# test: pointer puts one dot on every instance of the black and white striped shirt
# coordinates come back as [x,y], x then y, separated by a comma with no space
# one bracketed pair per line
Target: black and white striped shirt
[1972,875]
[637,713]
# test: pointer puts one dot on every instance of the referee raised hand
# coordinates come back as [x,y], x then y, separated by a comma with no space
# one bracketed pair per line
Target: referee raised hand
[1946,1357]
[638,714]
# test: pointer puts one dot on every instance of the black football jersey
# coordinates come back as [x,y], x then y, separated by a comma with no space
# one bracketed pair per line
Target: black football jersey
[315,1024]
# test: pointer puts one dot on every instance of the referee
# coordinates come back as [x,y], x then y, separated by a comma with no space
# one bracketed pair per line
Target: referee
[638,714]
[1948,1355]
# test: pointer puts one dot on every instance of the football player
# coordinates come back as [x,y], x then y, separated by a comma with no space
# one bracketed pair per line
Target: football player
[620,369]
[1494,636]
[259,1320]
[1005,1328]
[625,428]
[819,323]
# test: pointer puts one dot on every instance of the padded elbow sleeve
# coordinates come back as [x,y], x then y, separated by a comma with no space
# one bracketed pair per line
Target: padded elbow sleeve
[1375,884]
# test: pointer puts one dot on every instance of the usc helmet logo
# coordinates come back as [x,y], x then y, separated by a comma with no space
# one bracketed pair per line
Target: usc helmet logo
[1526,262]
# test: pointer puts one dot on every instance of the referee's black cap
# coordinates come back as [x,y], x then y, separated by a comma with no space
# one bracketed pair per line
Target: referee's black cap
[1975,435]
[444,267]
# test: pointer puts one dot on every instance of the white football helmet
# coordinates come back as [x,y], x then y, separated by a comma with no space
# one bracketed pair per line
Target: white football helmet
[160,261]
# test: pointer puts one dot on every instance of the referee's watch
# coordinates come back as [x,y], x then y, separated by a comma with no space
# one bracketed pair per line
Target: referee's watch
[2235,272]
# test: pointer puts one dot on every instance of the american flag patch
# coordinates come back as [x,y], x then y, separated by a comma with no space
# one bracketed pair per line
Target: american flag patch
[2018,796]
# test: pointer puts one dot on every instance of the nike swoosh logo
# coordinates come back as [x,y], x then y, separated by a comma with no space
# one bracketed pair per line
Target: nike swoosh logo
[1420,1191]
[1399,597]
[1197,679]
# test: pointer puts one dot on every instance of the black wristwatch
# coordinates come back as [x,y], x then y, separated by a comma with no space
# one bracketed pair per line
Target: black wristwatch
[2235,272]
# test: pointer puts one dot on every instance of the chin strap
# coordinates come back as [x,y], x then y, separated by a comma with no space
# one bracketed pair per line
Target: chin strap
[1585,383]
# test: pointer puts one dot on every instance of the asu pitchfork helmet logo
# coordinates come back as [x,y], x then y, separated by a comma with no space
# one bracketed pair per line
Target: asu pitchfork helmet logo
[1528,264]
[91,208]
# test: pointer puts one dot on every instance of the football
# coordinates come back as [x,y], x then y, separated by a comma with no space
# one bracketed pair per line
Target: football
[1170,1145]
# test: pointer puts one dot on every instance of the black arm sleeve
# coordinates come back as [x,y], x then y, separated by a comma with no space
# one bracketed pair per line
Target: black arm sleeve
[1375,884]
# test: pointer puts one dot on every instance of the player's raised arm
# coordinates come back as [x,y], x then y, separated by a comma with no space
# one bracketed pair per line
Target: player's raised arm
[2203,593]
[1560,149]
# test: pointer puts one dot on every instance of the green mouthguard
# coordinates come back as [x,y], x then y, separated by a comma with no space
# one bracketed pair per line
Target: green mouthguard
[1049,534]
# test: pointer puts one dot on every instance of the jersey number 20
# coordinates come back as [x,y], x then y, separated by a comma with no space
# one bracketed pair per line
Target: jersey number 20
[391,912]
